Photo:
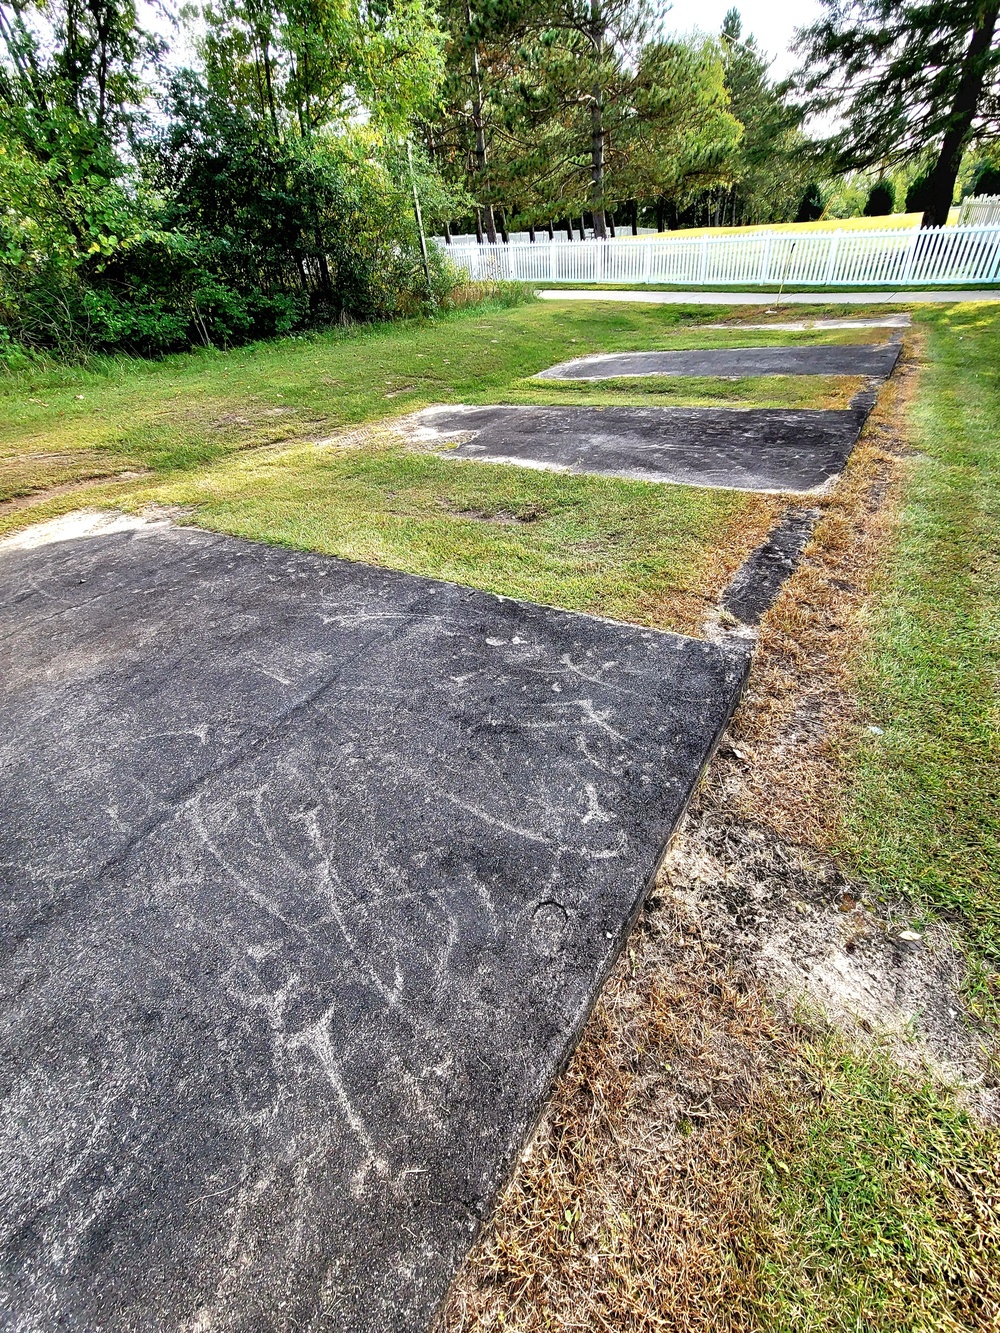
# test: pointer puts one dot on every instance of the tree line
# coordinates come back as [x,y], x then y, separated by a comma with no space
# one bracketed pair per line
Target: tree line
[266,181]
[584,112]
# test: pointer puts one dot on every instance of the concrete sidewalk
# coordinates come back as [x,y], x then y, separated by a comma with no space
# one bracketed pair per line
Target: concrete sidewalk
[768,298]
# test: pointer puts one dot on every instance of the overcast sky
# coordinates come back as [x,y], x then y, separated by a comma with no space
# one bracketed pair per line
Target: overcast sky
[772,22]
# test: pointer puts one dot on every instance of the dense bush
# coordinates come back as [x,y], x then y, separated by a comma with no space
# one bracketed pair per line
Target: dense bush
[987,180]
[917,195]
[214,222]
[238,237]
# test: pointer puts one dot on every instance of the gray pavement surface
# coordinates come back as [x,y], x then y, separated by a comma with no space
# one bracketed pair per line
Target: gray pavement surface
[311,873]
[872,360]
[901,321]
[758,580]
[770,298]
[759,450]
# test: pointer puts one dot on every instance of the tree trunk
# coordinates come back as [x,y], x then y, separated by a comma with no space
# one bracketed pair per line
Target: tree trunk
[477,121]
[941,181]
[597,125]
[660,215]
[269,84]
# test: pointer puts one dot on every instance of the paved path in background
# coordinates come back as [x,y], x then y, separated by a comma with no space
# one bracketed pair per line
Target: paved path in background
[765,299]
[312,873]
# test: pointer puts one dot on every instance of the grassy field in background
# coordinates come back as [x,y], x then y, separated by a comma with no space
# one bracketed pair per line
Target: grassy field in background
[891,220]
[924,812]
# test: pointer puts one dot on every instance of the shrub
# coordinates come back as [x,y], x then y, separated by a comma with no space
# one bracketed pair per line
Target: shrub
[916,195]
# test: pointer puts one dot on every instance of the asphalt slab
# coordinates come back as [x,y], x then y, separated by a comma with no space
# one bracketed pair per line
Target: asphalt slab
[312,873]
[758,580]
[871,360]
[761,449]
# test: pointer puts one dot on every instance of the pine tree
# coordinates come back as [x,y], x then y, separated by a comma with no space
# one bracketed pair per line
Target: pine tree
[769,174]
[909,78]
[881,200]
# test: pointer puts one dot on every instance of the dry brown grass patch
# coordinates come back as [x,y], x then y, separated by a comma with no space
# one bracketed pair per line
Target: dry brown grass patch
[799,707]
[632,1208]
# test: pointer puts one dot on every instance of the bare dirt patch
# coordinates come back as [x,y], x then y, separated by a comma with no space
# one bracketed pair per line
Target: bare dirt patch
[799,707]
[37,498]
[504,516]
[786,916]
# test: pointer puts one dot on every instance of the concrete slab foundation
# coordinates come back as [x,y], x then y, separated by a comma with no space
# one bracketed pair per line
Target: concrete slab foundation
[759,450]
[312,872]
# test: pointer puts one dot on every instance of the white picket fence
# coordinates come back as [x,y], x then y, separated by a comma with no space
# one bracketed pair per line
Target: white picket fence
[838,257]
[980,210]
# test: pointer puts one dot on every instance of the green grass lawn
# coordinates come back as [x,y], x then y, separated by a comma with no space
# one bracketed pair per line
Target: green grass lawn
[876,1200]
[923,816]
[229,438]
[60,424]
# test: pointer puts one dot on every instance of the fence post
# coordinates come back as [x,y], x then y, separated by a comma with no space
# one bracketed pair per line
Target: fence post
[765,265]
[646,260]
[831,260]
[995,266]
[553,268]
[703,261]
